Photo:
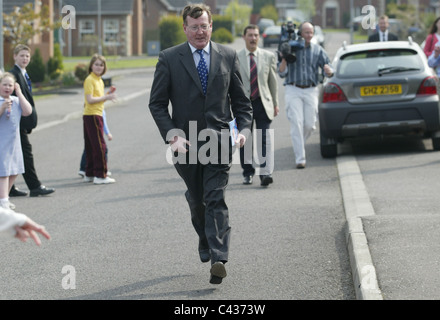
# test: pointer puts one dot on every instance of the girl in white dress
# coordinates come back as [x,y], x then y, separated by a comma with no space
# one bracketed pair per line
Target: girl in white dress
[11,155]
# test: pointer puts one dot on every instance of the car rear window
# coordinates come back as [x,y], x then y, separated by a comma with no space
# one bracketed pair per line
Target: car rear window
[368,63]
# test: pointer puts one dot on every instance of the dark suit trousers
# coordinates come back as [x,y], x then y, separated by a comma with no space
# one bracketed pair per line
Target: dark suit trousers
[206,198]
[30,174]
[262,122]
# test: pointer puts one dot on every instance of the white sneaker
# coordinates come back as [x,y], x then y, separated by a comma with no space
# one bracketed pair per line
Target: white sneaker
[88,179]
[109,173]
[105,180]
[82,173]
[11,205]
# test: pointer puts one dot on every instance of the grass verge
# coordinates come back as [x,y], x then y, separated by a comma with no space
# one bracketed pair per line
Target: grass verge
[113,62]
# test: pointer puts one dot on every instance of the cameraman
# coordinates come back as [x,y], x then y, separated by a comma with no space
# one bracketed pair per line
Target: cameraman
[301,89]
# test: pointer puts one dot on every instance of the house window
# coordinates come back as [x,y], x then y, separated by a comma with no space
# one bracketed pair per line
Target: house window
[111,31]
[86,29]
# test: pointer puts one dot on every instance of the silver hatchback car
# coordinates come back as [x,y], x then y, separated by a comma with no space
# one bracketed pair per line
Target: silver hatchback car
[378,88]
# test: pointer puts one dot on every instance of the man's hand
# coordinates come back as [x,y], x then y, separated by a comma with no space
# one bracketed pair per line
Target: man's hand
[328,71]
[179,144]
[241,140]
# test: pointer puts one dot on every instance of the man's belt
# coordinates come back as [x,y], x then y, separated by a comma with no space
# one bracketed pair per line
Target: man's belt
[302,87]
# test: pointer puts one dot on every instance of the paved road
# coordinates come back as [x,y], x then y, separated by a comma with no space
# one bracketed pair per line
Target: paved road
[133,239]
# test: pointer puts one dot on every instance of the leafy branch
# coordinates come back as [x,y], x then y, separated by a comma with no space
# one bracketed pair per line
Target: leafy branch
[22,24]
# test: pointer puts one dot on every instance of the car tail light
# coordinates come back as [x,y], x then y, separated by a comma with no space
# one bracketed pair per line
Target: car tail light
[428,86]
[333,93]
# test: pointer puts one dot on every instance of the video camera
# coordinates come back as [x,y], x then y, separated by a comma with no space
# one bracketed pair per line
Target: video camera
[290,42]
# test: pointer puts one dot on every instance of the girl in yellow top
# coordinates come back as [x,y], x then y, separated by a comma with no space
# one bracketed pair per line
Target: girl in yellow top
[96,168]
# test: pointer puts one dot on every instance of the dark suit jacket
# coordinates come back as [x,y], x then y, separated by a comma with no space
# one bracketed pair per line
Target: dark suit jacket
[375,37]
[176,80]
[29,122]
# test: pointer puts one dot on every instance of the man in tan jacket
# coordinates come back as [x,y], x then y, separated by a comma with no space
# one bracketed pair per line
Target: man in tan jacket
[258,68]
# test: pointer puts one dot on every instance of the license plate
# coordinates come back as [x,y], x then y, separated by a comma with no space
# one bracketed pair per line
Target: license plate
[381,90]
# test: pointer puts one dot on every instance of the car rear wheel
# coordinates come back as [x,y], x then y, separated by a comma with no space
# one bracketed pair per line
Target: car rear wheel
[436,143]
[329,147]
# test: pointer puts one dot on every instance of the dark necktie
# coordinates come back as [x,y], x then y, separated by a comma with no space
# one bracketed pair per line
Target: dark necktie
[254,78]
[383,37]
[203,71]
[28,81]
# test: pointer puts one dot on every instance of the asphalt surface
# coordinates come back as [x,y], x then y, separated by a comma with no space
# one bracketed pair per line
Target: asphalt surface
[393,255]
[133,240]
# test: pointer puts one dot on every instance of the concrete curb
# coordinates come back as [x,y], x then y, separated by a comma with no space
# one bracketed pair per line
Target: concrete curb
[357,204]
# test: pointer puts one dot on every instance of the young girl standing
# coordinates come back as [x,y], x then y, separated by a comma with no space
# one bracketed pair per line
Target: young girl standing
[11,155]
[95,147]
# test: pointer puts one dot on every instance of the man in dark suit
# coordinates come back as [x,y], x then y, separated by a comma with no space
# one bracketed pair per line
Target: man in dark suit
[202,81]
[383,33]
[22,56]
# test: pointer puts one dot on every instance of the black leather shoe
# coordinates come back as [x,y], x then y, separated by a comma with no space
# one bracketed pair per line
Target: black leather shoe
[41,191]
[205,255]
[17,193]
[218,272]
[266,180]
[247,180]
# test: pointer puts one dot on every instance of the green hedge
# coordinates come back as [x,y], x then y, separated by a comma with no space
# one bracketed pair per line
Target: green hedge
[171,32]
[221,22]
[55,63]
[222,35]
[36,68]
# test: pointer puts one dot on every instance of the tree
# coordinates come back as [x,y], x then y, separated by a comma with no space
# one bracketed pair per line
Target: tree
[36,68]
[171,31]
[55,63]
[307,7]
[240,14]
[23,23]
[269,12]
[258,4]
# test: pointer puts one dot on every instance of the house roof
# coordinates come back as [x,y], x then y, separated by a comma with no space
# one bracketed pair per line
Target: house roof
[285,4]
[176,5]
[224,3]
[108,7]
[9,5]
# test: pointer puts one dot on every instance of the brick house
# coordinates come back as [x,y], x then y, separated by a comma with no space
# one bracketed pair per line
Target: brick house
[336,13]
[119,25]
[156,9]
